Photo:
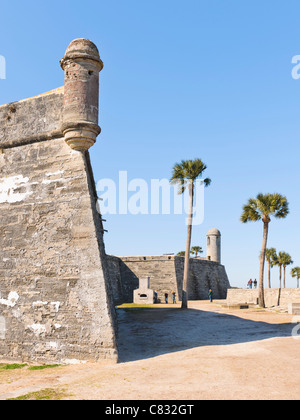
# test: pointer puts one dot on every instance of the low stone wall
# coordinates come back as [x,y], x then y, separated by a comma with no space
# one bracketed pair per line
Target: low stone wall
[273,297]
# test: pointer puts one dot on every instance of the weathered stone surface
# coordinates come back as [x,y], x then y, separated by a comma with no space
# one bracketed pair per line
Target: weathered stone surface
[81,65]
[32,120]
[273,297]
[54,294]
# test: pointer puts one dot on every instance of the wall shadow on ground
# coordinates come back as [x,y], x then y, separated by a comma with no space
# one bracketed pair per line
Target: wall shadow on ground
[147,333]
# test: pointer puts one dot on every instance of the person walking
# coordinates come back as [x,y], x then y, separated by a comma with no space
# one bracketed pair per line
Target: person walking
[255,284]
[174,297]
[166,298]
[210,295]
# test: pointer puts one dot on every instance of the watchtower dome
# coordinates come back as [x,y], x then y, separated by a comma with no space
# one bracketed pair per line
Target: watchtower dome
[214,245]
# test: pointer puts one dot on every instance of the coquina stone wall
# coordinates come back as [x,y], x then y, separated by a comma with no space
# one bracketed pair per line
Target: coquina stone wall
[53,281]
[273,297]
[56,303]
[166,275]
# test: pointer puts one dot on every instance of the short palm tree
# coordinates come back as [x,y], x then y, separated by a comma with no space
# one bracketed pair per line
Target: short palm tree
[262,208]
[287,260]
[279,262]
[195,250]
[270,258]
[185,174]
[181,254]
[295,273]
[283,259]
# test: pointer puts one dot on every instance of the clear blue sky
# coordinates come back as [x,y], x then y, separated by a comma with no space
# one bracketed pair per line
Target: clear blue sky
[182,79]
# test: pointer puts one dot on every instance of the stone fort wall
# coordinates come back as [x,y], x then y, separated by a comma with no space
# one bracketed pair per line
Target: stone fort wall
[166,274]
[55,298]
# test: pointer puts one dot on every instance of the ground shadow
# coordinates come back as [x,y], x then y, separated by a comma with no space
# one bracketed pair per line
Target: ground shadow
[147,333]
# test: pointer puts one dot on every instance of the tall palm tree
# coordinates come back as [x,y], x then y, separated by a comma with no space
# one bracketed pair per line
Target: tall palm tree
[262,208]
[295,273]
[270,257]
[185,174]
[195,250]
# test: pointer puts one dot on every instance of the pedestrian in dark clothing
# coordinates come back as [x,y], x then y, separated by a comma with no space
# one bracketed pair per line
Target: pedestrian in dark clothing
[174,297]
[166,298]
[210,295]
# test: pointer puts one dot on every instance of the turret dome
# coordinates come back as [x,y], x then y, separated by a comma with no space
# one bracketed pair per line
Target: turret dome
[214,232]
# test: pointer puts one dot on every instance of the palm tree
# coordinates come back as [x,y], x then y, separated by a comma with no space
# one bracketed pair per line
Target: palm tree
[270,257]
[296,274]
[195,250]
[181,254]
[279,261]
[185,174]
[287,260]
[262,208]
[283,260]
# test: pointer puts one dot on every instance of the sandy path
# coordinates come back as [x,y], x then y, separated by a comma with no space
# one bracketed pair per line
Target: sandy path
[204,353]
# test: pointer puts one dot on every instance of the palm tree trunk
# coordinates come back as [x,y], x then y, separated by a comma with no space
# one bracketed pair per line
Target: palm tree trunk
[280,276]
[269,274]
[261,295]
[184,304]
[279,291]
[284,277]
[298,282]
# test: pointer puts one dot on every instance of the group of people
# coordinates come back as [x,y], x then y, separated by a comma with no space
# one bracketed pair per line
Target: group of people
[156,300]
[251,284]
[173,297]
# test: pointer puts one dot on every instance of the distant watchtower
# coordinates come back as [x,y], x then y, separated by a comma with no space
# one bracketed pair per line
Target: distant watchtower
[214,245]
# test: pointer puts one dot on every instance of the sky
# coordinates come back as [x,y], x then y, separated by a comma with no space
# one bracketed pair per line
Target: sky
[208,79]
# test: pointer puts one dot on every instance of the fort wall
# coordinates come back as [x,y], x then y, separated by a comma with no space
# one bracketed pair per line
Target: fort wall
[166,274]
[55,298]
